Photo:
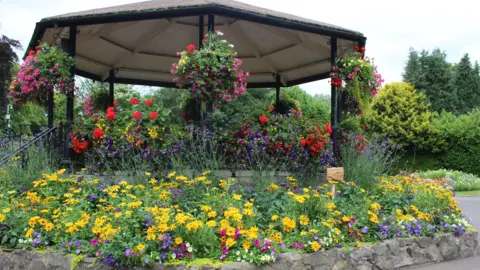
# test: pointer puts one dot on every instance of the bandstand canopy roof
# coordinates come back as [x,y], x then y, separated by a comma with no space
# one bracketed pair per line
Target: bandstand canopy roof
[140,40]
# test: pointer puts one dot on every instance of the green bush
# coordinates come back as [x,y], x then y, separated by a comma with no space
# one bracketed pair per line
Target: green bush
[459,141]
[462,181]
[403,115]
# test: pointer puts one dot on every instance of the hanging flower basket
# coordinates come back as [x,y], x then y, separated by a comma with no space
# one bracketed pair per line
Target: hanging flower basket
[47,68]
[358,80]
[212,73]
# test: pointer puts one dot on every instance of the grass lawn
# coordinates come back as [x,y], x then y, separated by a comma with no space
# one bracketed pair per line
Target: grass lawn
[468,193]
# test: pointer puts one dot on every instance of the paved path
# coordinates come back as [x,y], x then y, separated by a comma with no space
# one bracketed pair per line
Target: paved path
[471,207]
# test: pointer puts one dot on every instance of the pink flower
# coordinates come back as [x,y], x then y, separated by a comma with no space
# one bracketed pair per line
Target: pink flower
[94,243]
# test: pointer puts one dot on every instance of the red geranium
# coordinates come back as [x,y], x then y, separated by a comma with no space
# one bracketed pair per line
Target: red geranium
[153,115]
[111,115]
[98,134]
[356,48]
[79,146]
[148,102]
[134,101]
[364,127]
[31,53]
[116,103]
[328,128]
[271,108]
[363,49]
[263,120]
[137,115]
[191,48]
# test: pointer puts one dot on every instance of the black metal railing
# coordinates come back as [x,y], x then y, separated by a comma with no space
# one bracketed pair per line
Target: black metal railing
[51,139]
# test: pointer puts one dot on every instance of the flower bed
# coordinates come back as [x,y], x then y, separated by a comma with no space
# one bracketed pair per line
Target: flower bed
[177,219]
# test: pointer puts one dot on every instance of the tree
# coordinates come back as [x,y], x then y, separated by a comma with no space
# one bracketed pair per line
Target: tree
[8,58]
[465,85]
[432,74]
[402,114]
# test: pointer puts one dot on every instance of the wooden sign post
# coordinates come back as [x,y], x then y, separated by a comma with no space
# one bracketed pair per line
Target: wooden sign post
[334,176]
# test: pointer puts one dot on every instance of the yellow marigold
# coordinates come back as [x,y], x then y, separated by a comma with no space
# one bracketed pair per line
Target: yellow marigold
[246,245]
[288,224]
[194,225]
[375,206]
[134,205]
[248,205]
[178,241]
[230,231]
[373,217]
[140,247]
[273,187]
[330,206]
[33,220]
[206,208]
[248,212]
[2,217]
[151,236]
[274,218]
[211,223]
[304,220]
[316,246]
[230,242]
[29,233]
[345,219]
[237,197]
[212,214]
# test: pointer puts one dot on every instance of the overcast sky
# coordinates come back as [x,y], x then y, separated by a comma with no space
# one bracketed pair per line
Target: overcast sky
[392,27]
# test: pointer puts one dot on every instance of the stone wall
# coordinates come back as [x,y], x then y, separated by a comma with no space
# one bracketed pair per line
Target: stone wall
[391,254]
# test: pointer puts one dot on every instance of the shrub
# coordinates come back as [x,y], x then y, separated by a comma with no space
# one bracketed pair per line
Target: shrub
[365,160]
[402,114]
[459,141]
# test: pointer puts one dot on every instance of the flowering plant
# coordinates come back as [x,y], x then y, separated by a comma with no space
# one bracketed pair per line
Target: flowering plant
[47,68]
[213,72]
[357,76]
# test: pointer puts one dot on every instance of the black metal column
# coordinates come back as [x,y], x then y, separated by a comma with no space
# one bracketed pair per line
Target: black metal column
[111,90]
[50,108]
[201,31]
[72,44]
[277,94]
[209,107]
[334,98]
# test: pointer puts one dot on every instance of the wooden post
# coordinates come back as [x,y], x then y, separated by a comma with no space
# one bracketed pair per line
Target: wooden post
[277,94]
[333,112]
[334,176]
[72,44]
[111,92]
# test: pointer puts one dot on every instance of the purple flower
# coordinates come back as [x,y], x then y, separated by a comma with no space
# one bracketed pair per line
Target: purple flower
[365,229]
[78,251]
[147,261]
[128,253]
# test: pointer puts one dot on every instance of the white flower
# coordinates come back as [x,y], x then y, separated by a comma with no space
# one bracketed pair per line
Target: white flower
[190,249]
[224,41]
[230,45]
[188,244]
[174,256]
[237,253]
[220,33]
[239,259]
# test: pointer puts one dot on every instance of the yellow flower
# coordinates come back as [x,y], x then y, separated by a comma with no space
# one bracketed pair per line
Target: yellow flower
[29,233]
[206,208]
[62,171]
[230,242]
[304,220]
[288,224]
[49,226]
[330,206]
[172,174]
[211,223]
[248,205]
[178,241]
[345,219]
[212,214]
[303,233]
[274,218]
[237,197]
[194,225]
[140,247]
[148,174]
[6,210]
[373,217]
[246,245]
[2,217]
[316,246]
[118,214]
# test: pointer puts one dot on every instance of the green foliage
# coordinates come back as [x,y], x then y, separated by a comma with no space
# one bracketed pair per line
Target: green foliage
[8,66]
[364,161]
[29,116]
[459,141]
[400,113]
[465,83]
[462,181]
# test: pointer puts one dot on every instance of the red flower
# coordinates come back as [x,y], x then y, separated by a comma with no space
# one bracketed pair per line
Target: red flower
[148,102]
[303,142]
[328,128]
[360,138]
[363,49]
[364,127]
[185,116]
[271,108]
[263,120]
[265,132]
[98,134]
[31,53]
[79,146]
[191,48]
[356,48]
[153,115]
[137,115]
[134,101]
[116,103]
[111,115]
